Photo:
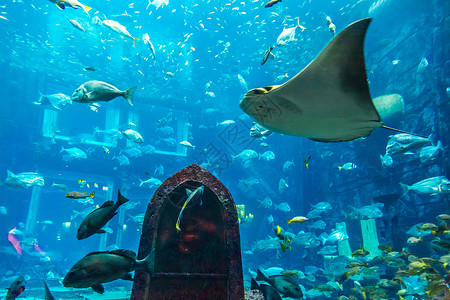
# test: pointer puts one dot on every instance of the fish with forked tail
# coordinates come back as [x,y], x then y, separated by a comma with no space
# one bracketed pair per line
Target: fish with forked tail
[71,3]
[95,91]
[94,221]
[106,266]
[284,284]
[16,288]
[120,29]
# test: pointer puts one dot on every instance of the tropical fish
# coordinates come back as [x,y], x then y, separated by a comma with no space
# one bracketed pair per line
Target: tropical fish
[245,155]
[60,186]
[150,182]
[430,152]
[322,105]
[226,123]
[286,36]
[242,82]
[282,185]
[73,153]
[54,101]
[269,292]
[281,77]
[24,180]
[139,218]
[414,240]
[297,220]
[360,252]
[79,195]
[266,202]
[94,221]
[112,133]
[369,211]
[331,26]
[132,152]
[268,54]
[334,237]
[106,266]
[16,288]
[71,3]
[405,143]
[284,207]
[122,159]
[187,144]
[196,194]
[158,3]
[250,181]
[328,250]
[347,166]
[315,213]
[133,136]
[319,224]
[287,165]
[386,160]
[89,68]
[322,206]
[94,91]
[83,183]
[272,3]
[259,132]
[285,285]
[306,161]
[433,185]
[267,156]
[119,28]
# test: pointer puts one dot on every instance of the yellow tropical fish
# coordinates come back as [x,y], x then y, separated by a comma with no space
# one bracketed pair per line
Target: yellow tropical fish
[122,30]
[71,3]
[79,195]
[198,191]
[297,220]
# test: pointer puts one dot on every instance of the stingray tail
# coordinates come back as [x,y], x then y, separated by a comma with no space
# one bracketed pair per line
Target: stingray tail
[402,131]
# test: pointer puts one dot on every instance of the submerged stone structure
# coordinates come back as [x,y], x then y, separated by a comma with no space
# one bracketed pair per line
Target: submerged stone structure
[202,260]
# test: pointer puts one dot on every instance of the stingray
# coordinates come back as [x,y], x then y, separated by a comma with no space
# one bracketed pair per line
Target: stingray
[328,101]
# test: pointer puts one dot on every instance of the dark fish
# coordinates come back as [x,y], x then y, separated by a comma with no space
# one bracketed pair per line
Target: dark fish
[306,161]
[387,200]
[286,285]
[267,54]
[16,288]
[272,3]
[94,221]
[106,266]
[89,68]
[79,195]
[95,91]
[268,291]
[48,294]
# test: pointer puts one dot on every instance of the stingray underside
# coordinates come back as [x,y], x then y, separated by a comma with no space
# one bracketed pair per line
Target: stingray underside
[329,100]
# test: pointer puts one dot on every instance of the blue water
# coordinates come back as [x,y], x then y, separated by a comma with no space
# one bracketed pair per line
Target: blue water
[198,43]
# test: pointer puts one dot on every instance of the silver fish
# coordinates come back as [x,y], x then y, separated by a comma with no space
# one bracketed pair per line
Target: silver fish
[94,91]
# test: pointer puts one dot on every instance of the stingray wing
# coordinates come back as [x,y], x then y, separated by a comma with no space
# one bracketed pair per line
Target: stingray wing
[330,97]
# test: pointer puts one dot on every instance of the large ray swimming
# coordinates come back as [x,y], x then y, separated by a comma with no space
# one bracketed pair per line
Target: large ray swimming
[328,101]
